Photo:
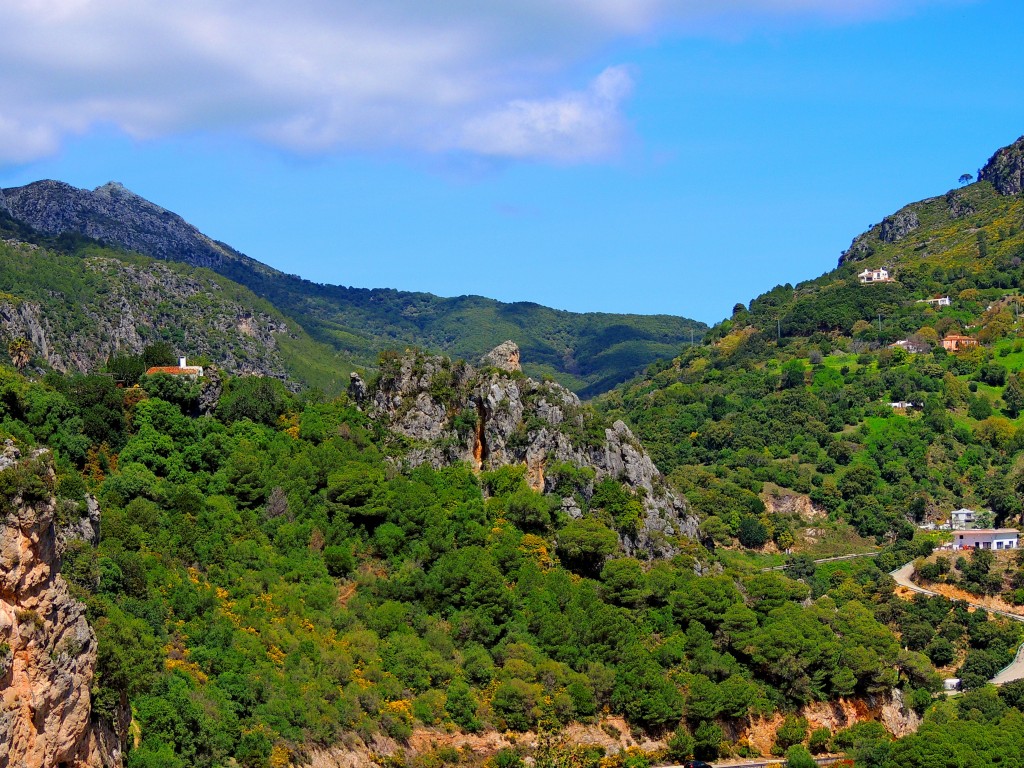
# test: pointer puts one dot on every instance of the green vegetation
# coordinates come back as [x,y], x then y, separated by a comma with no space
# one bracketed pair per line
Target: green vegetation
[268,580]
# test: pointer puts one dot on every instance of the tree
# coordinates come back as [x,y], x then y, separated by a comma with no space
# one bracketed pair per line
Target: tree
[752,533]
[1013,395]
[20,350]
[797,756]
[966,178]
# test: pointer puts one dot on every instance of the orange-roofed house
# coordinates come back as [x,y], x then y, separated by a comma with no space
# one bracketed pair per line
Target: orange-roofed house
[181,369]
[955,342]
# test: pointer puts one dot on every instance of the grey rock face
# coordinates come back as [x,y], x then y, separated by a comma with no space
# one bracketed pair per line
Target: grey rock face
[115,215]
[958,205]
[504,357]
[3,203]
[859,249]
[1005,169]
[497,420]
[898,226]
[357,387]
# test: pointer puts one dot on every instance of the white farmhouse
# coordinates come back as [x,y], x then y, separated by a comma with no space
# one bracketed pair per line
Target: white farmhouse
[986,538]
[874,276]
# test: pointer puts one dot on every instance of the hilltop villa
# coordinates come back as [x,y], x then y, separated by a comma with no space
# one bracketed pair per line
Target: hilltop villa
[955,342]
[874,276]
[986,538]
[181,369]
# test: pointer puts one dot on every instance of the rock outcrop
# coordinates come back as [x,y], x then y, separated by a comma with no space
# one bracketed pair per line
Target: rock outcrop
[898,226]
[499,417]
[47,648]
[4,207]
[504,357]
[1005,169]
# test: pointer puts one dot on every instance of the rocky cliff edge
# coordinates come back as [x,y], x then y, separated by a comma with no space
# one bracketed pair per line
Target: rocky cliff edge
[47,648]
[496,416]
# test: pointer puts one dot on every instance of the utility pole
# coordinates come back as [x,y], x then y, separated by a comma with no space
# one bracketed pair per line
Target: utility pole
[879,323]
[778,329]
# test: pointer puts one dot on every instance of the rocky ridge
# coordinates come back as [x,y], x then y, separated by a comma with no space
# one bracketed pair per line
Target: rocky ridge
[114,214]
[496,416]
[1005,169]
[47,648]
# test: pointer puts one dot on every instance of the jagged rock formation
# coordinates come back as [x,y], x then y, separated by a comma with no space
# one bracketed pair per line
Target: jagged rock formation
[47,648]
[898,226]
[504,357]
[498,417]
[4,207]
[1005,169]
[958,205]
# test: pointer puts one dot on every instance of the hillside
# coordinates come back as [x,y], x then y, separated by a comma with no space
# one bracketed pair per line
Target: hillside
[793,395]
[590,353]
[79,303]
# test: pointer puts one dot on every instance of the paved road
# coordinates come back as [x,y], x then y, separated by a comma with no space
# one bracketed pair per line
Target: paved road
[1015,669]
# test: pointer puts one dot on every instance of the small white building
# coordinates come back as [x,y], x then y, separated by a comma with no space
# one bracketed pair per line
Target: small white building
[951,684]
[874,276]
[939,301]
[962,519]
[986,538]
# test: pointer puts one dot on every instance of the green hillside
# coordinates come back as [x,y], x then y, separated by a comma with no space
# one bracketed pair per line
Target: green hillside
[78,303]
[792,393]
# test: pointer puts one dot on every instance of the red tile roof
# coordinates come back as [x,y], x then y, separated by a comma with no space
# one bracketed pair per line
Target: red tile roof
[174,370]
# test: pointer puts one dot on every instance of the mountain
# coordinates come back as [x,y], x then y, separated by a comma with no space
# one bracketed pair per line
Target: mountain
[588,352]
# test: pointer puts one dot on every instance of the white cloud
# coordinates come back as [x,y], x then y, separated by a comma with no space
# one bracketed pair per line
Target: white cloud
[572,127]
[493,78]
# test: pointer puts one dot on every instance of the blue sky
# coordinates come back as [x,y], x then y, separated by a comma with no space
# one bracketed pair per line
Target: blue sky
[648,156]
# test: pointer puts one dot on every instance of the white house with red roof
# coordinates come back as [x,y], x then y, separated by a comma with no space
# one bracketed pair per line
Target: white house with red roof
[181,369]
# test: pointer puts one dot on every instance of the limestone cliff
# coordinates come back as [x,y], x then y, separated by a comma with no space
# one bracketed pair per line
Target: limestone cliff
[496,416]
[47,648]
[1005,169]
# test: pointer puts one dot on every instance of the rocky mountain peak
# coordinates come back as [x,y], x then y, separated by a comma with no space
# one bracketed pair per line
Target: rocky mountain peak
[504,357]
[1005,169]
[114,214]
[3,204]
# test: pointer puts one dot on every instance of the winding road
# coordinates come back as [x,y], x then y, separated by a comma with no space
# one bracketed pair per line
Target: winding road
[1015,669]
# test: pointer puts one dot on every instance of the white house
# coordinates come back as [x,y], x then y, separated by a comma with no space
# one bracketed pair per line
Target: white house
[939,301]
[874,276]
[961,519]
[986,538]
